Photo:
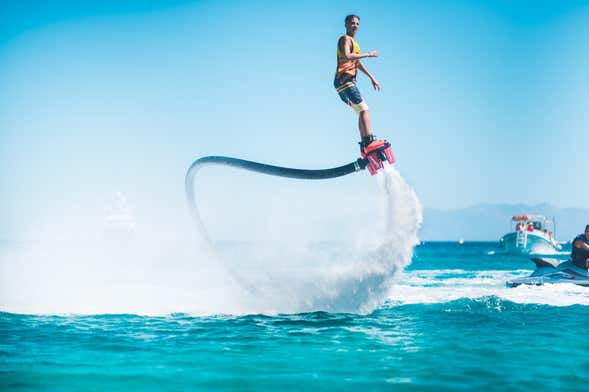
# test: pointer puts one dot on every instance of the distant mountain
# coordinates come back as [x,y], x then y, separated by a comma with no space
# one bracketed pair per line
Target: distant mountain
[488,222]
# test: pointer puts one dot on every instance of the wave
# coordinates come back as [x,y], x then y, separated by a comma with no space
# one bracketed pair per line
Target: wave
[441,286]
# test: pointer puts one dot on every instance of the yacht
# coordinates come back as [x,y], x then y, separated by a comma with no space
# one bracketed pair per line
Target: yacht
[119,220]
[532,234]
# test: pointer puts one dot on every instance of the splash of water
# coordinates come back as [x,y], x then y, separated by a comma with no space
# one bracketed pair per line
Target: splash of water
[359,281]
[152,276]
[386,252]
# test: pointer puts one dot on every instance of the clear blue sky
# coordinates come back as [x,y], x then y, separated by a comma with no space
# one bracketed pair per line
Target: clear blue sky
[482,101]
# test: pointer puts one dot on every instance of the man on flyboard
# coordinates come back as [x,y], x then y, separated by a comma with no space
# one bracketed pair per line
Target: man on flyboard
[348,62]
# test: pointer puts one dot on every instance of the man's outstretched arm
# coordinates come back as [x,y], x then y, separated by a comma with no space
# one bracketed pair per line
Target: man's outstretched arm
[346,44]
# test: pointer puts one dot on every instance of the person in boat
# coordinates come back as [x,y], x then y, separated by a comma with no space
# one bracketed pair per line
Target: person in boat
[530,227]
[580,252]
[348,64]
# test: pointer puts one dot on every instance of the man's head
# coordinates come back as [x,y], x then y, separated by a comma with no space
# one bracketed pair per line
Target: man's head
[587,231]
[352,24]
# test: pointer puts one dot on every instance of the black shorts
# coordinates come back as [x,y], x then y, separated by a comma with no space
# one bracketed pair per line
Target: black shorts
[349,93]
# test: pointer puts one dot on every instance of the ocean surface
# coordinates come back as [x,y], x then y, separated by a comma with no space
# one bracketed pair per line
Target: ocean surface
[447,322]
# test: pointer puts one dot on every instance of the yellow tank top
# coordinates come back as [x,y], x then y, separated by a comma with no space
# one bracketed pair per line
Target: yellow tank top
[346,69]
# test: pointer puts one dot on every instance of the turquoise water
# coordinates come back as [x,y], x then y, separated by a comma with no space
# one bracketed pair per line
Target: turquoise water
[449,323]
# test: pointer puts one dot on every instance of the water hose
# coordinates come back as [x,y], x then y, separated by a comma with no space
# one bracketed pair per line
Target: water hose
[303,174]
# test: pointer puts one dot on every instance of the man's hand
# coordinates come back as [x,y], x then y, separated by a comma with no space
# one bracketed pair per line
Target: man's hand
[375,84]
[373,53]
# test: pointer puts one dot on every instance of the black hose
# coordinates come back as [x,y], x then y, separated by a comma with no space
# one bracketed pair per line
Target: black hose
[303,174]
[321,174]
[280,171]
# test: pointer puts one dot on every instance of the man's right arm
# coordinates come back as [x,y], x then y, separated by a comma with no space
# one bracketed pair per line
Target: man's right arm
[348,52]
[579,243]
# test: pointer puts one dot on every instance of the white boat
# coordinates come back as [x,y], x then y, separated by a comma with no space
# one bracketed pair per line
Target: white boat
[532,234]
[119,220]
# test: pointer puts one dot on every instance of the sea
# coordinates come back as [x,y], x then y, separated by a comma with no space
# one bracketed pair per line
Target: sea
[448,323]
[394,313]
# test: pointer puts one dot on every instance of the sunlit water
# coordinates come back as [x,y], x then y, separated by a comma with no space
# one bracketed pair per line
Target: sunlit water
[448,323]
[365,314]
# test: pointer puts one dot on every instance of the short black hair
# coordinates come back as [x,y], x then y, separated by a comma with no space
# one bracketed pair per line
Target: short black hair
[349,17]
[586,227]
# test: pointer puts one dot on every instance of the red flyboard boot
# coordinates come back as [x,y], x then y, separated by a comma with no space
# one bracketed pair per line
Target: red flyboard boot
[375,152]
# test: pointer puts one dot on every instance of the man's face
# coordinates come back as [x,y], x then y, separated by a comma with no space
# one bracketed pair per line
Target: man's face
[352,25]
[586,233]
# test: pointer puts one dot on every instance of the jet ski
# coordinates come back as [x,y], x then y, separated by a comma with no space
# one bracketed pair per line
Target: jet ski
[549,271]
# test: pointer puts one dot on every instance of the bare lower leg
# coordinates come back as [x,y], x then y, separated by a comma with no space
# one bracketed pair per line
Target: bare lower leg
[364,124]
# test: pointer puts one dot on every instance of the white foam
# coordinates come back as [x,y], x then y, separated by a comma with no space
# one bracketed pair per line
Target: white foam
[157,277]
[434,286]
[152,278]
[359,281]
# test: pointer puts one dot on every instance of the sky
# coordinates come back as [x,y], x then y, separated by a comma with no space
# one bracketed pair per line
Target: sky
[483,102]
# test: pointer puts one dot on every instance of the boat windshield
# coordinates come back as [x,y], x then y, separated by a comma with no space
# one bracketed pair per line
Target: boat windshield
[537,225]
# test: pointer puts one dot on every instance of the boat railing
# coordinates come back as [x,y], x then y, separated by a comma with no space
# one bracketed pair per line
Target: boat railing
[521,239]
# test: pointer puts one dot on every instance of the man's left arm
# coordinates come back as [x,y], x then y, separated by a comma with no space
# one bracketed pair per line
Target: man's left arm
[375,83]
[579,243]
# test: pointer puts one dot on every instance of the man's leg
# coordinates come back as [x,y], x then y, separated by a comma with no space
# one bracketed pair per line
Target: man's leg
[364,124]
[355,100]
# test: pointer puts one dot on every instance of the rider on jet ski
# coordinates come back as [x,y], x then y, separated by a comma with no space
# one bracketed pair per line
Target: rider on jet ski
[580,253]
[552,271]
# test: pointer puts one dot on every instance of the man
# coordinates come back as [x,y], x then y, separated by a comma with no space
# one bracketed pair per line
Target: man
[580,253]
[348,63]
